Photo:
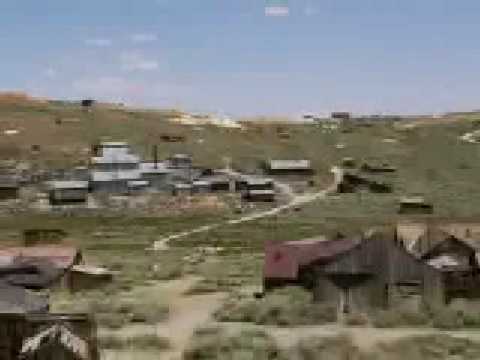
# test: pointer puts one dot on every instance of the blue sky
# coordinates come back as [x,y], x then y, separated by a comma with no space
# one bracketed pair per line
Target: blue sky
[226,55]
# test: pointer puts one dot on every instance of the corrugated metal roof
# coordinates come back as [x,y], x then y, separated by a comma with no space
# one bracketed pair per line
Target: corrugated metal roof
[138,183]
[61,257]
[261,192]
[94,270]
[68,184]
[283,260]
[114,144]
[100,176]
[290,164]
[116,158]
[149,168]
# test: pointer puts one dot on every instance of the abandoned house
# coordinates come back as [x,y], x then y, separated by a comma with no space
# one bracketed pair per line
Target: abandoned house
[353,181]
[83,277]
[157,174]
[414,205]
[181,189]
[219,182]
[48,336]
[258,195]
[200,187]
[459,261]
[9,187]
[340,115]
[136,187]
[288,167]
[38,266]
[18,300]
[67,192]
[254,183]
[180,161]
[113,167]
[377,167]
[356,275]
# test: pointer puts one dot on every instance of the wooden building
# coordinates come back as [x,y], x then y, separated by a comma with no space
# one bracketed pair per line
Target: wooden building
[415,205]
[68,192]
[288,167]
[83,277]
[353,181]
[355,275]
[377,273]
[459,261]
[48,336]
[258,195]
[9,187]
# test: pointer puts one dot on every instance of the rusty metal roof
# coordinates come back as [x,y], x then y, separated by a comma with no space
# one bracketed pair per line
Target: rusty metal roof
[62,257]
[284,260]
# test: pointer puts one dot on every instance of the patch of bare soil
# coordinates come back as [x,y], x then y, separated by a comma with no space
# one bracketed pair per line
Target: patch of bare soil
[187,313]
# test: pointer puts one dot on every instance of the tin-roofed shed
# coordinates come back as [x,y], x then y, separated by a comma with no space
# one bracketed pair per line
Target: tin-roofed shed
[289,167]
[67,192]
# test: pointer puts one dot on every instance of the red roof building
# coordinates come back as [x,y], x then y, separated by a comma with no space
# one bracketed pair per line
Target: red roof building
[61,257]
[284,261]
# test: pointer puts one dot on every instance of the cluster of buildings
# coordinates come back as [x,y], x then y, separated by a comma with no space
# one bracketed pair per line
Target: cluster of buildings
[27,273]
[114,169]
[384,269]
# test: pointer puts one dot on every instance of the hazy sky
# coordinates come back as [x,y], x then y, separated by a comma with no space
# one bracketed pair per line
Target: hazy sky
[362,56]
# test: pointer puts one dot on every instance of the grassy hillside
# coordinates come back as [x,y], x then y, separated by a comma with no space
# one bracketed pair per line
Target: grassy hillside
[430,158]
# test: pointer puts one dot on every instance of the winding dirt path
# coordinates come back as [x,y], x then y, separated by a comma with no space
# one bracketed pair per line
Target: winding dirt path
[297,200]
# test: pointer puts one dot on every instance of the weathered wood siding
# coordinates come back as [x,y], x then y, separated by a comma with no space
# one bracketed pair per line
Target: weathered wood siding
[387,264]
[15,328]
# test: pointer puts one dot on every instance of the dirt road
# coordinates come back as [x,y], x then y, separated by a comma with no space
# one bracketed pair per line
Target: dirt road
[296,200]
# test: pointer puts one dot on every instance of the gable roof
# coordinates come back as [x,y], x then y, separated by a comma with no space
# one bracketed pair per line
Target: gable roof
[30,274]
[61,257]
[284,260]
[57,334]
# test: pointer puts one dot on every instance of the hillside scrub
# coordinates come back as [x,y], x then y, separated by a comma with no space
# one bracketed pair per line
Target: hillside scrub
[247,344]
[289,306]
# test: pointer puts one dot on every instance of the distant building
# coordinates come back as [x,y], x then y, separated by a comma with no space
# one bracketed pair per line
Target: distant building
[157,174]
[113,167]
[68,192]
[9,188]
[340,115]
[38,267]
[415,205]
[258,195]
[83,277]
[288,167]
[180,161]
[181,189]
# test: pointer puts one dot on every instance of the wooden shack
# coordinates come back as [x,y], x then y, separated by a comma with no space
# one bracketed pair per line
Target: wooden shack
[83,277]
[258,195]
[68,192]
[353,181]
[9,187]
[340,115]
[354,275]
[414,205]
[373,275]
[378,167]
[458,260]
[288,167]
[48,336]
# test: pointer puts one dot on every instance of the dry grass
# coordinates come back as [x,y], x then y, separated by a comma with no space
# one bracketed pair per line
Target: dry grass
[248,344]
[283,307]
